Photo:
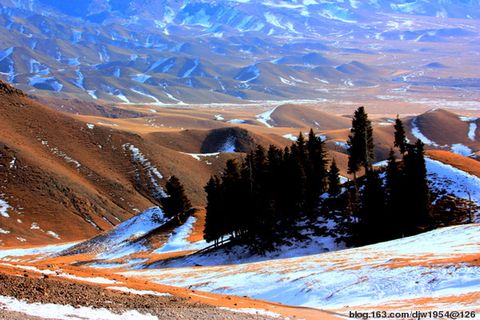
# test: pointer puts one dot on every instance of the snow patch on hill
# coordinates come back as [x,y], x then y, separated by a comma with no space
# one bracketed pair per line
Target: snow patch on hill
[229,145]
[472,128]
[118,242]
[453,180]
[148,167]
[461,149]
[197,156]
[14,254]
[178,239]
[265,117]
[419,135]
[4,206]
[372,275]
[67,311]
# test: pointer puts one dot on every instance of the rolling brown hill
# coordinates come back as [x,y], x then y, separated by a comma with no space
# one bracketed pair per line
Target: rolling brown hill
[445,129]
[64,179]
[463,163]
[300,116]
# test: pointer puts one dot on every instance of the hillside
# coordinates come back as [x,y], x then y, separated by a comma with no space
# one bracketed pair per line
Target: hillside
[297,116]
[64,179]
[446,130]
[239,159]
[427,270]
[313,277]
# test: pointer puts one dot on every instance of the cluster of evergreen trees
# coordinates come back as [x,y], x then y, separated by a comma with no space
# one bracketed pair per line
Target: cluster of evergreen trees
[260,199]
[268,197]
[393,207]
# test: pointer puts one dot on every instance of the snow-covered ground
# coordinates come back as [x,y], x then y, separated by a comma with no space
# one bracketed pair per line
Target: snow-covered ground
[15,254]
[472,126]
[265,117]
[139,292]
[461,149]
[121,241]
[118,242]
[376,275]
[419,135]
[4,206]
[58,311]
[240,254]
[178,239]
[453,180]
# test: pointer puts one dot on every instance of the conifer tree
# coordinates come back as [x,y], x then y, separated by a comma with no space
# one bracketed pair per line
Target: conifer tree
[230,189]
[177,202]
[334,180]
[246,196]
[290,204]
[301,148]
[394,186]
[360,143]
[212,230]
[371,226]
[400,138]
[316,170]
[416,188]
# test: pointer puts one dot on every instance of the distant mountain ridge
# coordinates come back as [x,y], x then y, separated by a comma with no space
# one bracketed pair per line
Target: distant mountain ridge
[177,52]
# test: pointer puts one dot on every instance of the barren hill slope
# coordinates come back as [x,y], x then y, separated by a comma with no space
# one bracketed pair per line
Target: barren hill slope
[299,116]
[61,179]
[64,179]
[443,129]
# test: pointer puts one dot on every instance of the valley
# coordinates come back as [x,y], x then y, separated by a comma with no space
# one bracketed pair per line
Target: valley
[325,158]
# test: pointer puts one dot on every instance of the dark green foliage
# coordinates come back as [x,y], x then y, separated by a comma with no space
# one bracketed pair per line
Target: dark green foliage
[400,138]
[177,203]
[316,171]
[274,193]
[394,185]
[371,226]
[334,180]
[417,192]
[262,201]
[213,221]
[360,143]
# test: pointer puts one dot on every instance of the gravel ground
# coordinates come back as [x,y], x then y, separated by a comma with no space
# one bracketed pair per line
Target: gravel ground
[69,293]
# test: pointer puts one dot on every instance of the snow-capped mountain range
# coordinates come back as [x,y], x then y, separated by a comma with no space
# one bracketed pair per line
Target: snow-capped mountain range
[167,51]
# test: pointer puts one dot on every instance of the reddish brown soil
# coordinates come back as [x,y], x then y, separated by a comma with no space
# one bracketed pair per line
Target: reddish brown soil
[463,163]
[189,304]
[301,117]
[45,290]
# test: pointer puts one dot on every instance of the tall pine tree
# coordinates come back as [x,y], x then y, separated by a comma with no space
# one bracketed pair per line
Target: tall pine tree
[230,188]
[400,138]
[417,191]
[371,226]
[213,228]
[360,143]
[334,180]
[177,202]
[395,189]
[316,171]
